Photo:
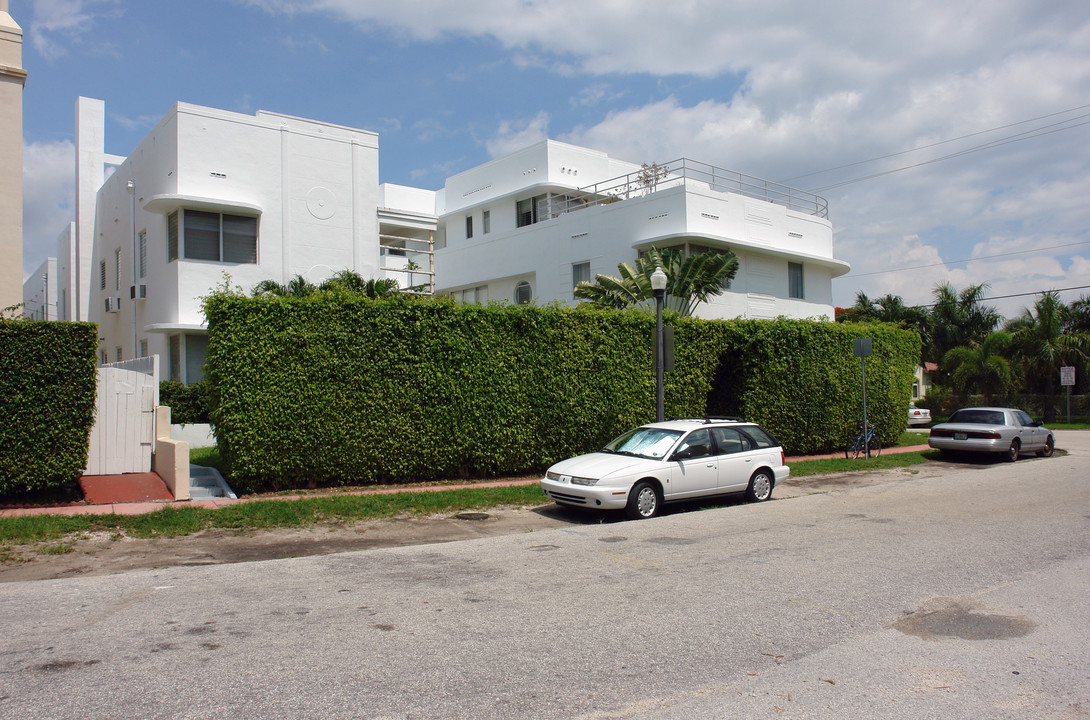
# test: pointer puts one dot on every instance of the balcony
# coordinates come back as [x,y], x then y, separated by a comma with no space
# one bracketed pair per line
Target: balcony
[651,179]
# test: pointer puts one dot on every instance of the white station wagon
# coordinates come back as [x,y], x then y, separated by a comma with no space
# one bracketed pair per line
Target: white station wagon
[669,461]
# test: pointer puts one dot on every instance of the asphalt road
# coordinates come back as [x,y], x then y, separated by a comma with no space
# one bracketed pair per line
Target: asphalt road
[950,596]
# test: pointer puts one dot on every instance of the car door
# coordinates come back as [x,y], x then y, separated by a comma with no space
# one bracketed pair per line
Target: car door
[735,459]
[697,469]
[1033,438]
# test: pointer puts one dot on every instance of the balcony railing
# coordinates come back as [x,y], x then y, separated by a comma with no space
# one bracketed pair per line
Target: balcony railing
[651,179]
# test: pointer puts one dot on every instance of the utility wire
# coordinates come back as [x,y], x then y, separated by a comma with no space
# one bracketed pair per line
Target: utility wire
[936,144]
[1014,295]
[958,262]
[987,146]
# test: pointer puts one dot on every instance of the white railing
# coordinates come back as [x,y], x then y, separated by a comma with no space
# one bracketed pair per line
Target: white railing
[676,173]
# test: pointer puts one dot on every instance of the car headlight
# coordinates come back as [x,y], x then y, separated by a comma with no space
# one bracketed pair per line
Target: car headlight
[562,478]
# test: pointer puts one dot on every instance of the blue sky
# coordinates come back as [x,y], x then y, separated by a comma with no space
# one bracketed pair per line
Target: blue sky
[988,100]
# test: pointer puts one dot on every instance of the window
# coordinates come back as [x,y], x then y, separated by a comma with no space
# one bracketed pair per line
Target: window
[102,357]
[117,354]
[212,236]
[486,222]
[698,443]
[580,272]
[196,348]
[474,295]
[523,293]
[143,259]
[117,269]
[172,236]
[729,441]
[175,352]
[469,226]
[143,348]
[102,275]
[527,211]
[794,280]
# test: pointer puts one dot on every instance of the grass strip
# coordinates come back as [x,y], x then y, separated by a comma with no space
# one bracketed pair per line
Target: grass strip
[886,461]
[265,514]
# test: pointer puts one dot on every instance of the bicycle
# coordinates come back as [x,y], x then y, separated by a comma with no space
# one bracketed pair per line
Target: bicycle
[861,444]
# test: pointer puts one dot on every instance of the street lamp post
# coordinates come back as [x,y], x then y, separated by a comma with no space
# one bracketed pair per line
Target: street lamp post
[658,286]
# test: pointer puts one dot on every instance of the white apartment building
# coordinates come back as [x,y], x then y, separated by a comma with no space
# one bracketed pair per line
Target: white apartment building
[211,194]
[40,292]
[530,225]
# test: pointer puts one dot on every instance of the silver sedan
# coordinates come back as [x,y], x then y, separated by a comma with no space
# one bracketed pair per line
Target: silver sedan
[993,430]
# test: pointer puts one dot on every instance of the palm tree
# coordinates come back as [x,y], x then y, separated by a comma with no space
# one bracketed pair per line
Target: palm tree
[692,279]
[980,368]
[298,286]
[344,281]
[959,319]
[1041,337]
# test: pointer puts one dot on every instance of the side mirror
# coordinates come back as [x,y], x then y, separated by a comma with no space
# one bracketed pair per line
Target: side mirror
[683,454]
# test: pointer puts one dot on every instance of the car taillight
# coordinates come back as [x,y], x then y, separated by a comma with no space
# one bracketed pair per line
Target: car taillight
[783,458]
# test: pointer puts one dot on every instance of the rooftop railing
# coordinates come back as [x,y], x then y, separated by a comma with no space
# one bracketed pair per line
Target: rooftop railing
[652,178]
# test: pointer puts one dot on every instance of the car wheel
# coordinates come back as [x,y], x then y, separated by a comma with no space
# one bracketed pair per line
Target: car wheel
[760,487]
[1012,452]
[643,501]
[1050,446]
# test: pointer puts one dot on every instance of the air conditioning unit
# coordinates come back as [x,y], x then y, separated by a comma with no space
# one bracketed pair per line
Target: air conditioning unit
[113,304]
[138,292]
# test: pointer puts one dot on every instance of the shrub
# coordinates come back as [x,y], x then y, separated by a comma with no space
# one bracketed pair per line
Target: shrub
[47,399]
[188,403]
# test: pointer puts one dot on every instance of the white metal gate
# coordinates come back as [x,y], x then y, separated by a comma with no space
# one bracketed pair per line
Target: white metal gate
[124,432]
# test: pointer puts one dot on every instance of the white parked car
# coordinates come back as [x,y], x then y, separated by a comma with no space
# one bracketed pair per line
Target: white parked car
[918,416]
[670,461]
[993,430]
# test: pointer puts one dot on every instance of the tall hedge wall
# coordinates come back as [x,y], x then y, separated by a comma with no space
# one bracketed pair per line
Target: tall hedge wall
[47,401]
[335,389]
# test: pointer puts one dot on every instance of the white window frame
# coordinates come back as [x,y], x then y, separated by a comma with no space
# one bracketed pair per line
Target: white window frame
[796,287]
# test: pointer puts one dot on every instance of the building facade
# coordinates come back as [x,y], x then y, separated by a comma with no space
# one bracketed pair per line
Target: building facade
[12,79]
[209,197]
[531,225]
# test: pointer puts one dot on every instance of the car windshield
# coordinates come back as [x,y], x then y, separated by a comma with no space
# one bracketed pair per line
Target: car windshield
[978,417]
[651,443]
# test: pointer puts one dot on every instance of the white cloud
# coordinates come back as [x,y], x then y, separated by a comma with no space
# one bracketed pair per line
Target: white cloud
[56,24]
[514,135]
[48,198]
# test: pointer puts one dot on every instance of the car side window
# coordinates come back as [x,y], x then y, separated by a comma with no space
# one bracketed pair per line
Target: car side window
[729,441]
[698,443]
[1024,418]
[760,437]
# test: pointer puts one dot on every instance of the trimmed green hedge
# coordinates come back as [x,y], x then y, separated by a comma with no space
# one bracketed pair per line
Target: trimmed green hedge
[188,403]
[336,390]
[47,400]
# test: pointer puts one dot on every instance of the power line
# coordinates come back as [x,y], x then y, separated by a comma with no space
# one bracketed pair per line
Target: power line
[958,262]
[1014,295]
[936,144]
[987,146]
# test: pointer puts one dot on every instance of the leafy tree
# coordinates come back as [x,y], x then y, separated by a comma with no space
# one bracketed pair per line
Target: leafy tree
[1044,340]
[980,368]
[691,280]
[959,319]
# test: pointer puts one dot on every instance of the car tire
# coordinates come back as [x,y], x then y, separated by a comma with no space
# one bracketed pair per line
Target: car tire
[760,486]
[643,501]
[1013,451]
[1050,447]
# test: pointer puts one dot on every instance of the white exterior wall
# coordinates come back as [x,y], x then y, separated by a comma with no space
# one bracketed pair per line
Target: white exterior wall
[312,186]
[766,237]
[40,292]
[12,79]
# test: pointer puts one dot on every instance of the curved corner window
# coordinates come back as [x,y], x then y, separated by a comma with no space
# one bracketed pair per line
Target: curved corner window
[523,293]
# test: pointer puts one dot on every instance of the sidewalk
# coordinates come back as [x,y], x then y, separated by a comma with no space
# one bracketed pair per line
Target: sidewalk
[125,494]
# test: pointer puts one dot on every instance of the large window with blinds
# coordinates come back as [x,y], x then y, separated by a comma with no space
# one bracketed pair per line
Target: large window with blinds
[218,237]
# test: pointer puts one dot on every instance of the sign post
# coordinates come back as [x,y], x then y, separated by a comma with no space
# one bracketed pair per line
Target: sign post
[1067,379]
[861,348]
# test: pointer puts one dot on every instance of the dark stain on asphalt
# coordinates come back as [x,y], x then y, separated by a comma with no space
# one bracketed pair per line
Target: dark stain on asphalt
[383,627]
[671,541]
[962,618]
[58,665]
[613,539]
[201,629]
[543,548]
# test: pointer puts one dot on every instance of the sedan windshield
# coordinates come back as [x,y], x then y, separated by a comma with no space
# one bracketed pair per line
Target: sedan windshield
[977,417]
[651,443]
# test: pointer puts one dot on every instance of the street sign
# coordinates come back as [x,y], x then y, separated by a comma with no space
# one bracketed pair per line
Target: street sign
[1067,376]
[861,347]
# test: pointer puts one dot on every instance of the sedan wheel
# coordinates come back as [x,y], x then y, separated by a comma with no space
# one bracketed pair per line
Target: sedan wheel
[760,487]
[643,502]
[1050,446]
[1012,452]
